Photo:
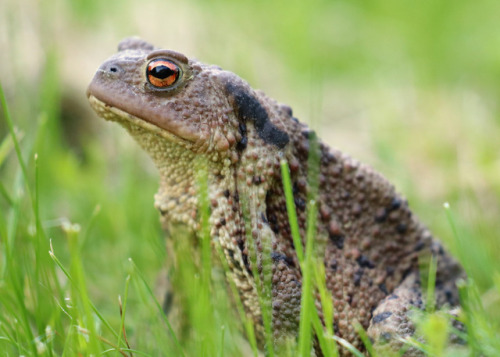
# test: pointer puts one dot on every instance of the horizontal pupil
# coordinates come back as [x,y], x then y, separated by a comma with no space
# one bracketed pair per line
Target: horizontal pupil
[162,72]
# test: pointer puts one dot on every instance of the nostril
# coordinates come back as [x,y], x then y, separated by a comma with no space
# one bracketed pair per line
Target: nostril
[112,68]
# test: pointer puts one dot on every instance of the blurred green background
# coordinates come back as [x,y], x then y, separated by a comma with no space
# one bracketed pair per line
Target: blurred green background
[409,87]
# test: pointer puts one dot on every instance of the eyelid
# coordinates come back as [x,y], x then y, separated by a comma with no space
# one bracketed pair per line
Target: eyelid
[169,54]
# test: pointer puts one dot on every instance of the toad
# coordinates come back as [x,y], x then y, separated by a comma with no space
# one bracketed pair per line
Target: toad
[188,115]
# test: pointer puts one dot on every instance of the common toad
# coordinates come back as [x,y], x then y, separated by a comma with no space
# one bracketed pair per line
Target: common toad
[186,114]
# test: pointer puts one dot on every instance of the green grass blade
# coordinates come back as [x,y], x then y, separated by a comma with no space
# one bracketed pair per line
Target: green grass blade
[5,148]
[123,310]
[5,194]
[290,208]
[324,343]
[158,306]
[221,344]
[15,277]
[80,292]
[461,246]
[307,308]
[344,343]
[365,339]
[73,282]
[431,285]
[328,346]
[262,292]
[13,135]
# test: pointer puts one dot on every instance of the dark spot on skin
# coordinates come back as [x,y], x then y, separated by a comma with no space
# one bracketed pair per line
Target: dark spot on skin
[381,317]
[419,246]
[389,270]
[271,220]
[395,204]
[263,217]
[449,297]
[300,203]
[248,108]
[364,262]
[406,273]
[231,253]
[227,193]
[401,228]
[257,180]
[381,215]
[333,264]
[237,265]
[282,257]
[337,239]
[247,264]
[385,337]
[241,245]
[236,197]
[357,276]
[223,221]
[325,160]
[307,133]
[331,157]
[383,288]
[392,297]
[349,299]
[242,144]
[303,148]
[288,110]
[419,304]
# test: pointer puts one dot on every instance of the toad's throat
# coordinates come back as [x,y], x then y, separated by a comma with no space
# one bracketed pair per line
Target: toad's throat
[111,113]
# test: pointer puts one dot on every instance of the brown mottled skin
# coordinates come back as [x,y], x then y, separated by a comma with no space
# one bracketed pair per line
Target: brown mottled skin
[213,119]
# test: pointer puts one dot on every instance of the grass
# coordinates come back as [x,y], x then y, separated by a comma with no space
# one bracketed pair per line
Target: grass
[412,89]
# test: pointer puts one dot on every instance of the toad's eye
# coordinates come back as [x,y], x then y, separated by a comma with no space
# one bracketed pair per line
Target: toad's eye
[162,73]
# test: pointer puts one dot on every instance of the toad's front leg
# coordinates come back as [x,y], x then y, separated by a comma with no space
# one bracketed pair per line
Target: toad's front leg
[391,321]
[391,318]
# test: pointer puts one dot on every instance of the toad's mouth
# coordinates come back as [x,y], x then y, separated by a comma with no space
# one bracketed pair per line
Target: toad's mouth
[111,113]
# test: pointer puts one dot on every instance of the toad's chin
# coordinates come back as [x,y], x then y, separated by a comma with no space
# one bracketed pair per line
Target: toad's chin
[111,113]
